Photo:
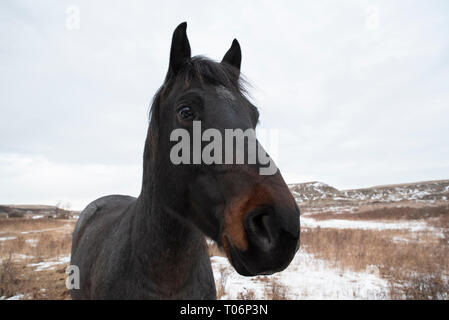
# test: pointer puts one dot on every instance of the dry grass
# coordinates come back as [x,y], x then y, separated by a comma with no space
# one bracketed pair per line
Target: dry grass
[8,277]
[415,264]
[415,269]
[49,245]
[34,241]
[15,225]
[38,246]
[224,274]
[214,250]
[246,294]
[275,290]
[421,287]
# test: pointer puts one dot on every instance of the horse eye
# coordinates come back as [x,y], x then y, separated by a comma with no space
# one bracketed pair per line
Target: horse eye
[185,113]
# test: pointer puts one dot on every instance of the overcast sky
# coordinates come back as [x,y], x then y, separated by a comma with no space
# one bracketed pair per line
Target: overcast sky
[358,91]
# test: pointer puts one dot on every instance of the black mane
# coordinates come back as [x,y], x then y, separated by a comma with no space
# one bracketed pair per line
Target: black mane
[203,70]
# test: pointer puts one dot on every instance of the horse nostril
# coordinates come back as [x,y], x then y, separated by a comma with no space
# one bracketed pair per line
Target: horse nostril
[259,226]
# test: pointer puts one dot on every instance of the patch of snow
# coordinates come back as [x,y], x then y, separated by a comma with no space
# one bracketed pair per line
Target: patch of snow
[19,256]
[318,184]
[306,278]
[400,239]
[334,209]
[50,264]
[7,238]
[19,296]
[31,242]
[366,225]
[37,217]
[42,230]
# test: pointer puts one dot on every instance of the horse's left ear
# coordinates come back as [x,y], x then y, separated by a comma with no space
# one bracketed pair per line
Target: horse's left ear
[234,55]
[180,49]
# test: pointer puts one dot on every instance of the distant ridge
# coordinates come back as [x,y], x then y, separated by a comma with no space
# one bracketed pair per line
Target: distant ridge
[401,184]
[34,211]
[436,190]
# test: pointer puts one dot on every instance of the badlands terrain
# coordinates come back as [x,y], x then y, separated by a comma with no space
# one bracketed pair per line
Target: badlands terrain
[384,242]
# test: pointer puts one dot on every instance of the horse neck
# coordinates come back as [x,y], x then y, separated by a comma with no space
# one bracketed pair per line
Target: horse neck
[163,229]
[167,247]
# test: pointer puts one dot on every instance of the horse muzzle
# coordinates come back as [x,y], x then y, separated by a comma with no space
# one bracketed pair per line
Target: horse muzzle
[273,237]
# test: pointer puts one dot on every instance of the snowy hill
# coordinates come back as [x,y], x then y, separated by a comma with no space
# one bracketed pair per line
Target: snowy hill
[423,191]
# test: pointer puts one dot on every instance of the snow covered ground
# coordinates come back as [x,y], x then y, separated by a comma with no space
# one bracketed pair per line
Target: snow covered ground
[309,277]
[366,225]
[306,278]
[19,296]
[411,226]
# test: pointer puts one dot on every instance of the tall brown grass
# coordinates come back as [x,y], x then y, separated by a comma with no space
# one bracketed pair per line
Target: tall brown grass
[8,277]
[22,224]
[415,269]
[275,290]
[223,279]
[43,239]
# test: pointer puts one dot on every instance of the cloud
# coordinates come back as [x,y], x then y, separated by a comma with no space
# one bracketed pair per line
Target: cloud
[35,179]
[355,103]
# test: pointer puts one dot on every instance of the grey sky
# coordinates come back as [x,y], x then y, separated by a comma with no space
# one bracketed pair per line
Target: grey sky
[358,90]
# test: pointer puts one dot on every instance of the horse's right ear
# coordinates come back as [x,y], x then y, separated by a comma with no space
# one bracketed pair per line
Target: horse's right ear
[180,50]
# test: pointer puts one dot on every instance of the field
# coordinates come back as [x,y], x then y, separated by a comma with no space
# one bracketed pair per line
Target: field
[371,259]
[34,254]
[364,249]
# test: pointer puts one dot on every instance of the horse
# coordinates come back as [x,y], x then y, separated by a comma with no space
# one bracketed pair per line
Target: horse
[154,246]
